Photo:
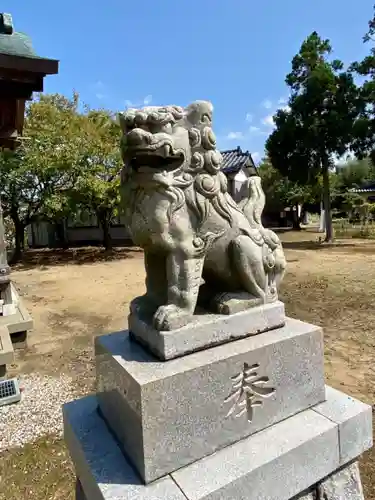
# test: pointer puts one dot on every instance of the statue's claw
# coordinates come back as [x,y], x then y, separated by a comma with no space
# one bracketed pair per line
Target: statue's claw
[170,317]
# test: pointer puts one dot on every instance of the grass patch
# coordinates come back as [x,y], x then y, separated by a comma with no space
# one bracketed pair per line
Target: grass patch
[344,229]
[39,471]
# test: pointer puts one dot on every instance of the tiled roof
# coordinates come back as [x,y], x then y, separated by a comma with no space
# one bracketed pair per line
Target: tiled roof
[235,159]
[368,187]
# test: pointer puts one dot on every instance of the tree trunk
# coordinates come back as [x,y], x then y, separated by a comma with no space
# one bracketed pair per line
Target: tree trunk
[19,229]
[107,239]
[296,221]
[327,199]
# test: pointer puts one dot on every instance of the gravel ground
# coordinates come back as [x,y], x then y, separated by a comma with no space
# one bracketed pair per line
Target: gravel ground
[39,411]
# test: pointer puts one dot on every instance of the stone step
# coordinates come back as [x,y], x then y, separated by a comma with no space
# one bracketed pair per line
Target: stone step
[169,414]
[277,463]
[6,350]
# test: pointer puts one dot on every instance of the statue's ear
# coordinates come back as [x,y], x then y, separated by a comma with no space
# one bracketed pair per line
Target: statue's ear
[199,113]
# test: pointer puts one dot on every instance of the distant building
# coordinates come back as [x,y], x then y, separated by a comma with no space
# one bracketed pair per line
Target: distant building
[84,228]
[366,191]
[238,166]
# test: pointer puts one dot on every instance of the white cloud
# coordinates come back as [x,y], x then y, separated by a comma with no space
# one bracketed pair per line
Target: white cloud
[249,117]
[147,100]
[283,100]
[267,104]
[268,121]
[99,90]
[256,156]
[253,129]
[235,135]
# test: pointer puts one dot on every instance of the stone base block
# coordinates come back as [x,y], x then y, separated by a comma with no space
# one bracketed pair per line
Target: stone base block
[170,414]
[206,330]
[277,463]
[6,347]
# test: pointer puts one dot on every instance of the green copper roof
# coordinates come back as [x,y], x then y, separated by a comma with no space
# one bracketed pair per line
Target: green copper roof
[11,42]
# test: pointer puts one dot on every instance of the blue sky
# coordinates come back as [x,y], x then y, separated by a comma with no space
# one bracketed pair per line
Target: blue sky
[235,53]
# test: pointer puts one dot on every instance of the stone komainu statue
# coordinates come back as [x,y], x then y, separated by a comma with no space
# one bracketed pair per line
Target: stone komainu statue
[200,246]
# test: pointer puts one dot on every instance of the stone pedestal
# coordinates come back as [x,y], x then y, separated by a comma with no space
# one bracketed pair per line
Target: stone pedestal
[15,322]
[250,419]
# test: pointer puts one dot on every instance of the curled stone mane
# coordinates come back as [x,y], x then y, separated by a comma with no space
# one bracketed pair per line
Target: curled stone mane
[202,175]
[151,115]
[200,183]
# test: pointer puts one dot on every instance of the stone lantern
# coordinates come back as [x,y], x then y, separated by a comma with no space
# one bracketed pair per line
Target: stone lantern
[21,73]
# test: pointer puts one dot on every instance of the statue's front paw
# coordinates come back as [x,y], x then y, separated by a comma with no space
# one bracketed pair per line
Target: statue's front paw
[142,306]
[170,317]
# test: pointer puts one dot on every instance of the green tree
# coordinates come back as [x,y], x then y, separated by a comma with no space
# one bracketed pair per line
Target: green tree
[352,174]
[364,142]
[36,179]
[318,123]
[97,188]
[281,192]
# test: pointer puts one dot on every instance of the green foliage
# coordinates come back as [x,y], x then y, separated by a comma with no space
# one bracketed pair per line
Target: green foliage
[67,160]
[280,191]
[346,229]
[97,187]
[322,108]
[364,132]
[36,178]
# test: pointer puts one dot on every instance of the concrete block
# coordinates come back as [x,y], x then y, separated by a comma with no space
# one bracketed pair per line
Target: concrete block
[103,472]
[18,323]
[274,464]
[207,330]
[169,414]
[354,419]
[6,347]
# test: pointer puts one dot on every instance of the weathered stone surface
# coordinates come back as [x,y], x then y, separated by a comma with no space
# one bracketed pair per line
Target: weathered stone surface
[100,465]
[207,330]
[354,419]
[299,454]
[343,485]
[6,348]
[178,209]
[169,414]
[274,464]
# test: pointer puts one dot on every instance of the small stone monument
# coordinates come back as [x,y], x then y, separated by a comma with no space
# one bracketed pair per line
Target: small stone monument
[212,393]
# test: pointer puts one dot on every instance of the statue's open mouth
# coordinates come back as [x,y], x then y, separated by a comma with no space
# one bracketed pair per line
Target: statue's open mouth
[162,159]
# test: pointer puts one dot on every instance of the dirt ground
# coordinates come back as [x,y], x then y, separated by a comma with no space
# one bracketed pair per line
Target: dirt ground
[75,295]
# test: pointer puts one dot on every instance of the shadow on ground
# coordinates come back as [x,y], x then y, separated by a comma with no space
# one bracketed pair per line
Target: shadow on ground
[47,257]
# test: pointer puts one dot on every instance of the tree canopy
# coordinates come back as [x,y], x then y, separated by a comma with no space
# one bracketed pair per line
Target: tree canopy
[67,159]
[318,123]
[364,133]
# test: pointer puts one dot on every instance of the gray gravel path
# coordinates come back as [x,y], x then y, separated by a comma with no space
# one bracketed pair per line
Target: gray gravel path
[39,411]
